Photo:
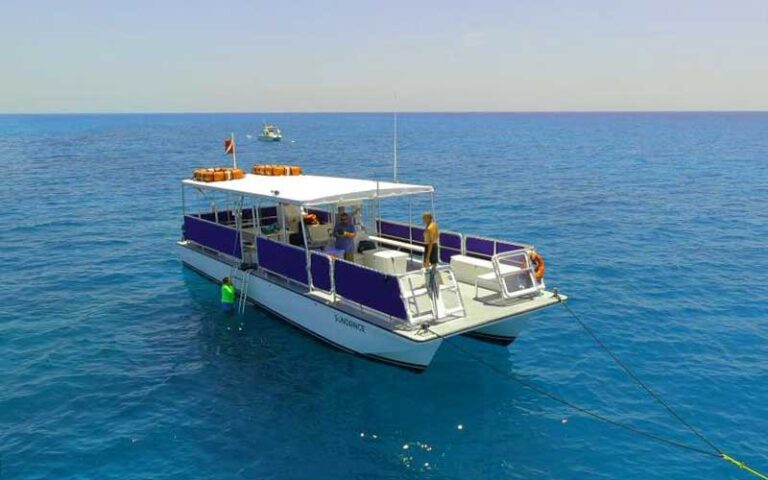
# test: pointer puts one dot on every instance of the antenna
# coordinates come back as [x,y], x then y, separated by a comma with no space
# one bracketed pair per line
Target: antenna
[394,167]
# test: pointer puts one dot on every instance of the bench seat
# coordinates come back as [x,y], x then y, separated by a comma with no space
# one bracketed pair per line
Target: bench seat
[467,269]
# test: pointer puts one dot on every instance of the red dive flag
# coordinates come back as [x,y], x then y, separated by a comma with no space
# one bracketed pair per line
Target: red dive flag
[229,146]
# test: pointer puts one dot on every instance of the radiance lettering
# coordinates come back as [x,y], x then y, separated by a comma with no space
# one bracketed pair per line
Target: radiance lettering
[348,322]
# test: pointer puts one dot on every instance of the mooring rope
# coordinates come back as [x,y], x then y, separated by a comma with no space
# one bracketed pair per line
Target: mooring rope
[715,452]
[559,399]
[634,377]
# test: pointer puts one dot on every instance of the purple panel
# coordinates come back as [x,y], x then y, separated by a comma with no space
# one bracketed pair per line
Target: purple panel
[450,240]
[211,235]
[373,289]
[447,253]
[394,230]
[321,271]
[479,246]
[507,247]
[418,234]
[282,259]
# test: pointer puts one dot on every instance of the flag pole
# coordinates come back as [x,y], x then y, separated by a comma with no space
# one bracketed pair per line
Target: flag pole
[234,149]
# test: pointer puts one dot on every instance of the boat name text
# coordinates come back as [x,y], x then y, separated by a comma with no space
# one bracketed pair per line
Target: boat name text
[349,323]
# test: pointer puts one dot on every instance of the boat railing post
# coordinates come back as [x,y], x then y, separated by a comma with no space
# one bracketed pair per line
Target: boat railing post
[410,224]
[283,230]
[378,206]
[257,232]
[307,253]
[332,273]
[402,296]
[183,201]
[239,226]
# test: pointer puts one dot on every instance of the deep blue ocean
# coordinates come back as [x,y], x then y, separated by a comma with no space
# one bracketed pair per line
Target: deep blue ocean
[115,362]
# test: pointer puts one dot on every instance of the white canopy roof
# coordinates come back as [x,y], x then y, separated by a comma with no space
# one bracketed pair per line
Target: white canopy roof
[311,189]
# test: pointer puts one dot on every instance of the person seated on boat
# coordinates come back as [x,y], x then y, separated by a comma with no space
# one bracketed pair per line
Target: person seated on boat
[431,241]
[227,295]
[344,231]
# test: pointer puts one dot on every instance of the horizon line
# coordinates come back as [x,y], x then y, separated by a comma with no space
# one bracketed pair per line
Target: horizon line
[387,112]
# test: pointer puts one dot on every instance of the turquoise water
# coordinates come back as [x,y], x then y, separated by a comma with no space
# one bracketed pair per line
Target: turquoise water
[116,363]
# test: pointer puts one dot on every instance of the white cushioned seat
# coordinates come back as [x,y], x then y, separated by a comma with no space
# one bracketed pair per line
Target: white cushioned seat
[467,269]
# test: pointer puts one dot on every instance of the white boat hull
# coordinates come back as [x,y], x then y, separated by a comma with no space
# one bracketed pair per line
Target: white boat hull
[321,319]
[504,331]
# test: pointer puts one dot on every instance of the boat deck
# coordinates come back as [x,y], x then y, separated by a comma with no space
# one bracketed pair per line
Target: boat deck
[486,309]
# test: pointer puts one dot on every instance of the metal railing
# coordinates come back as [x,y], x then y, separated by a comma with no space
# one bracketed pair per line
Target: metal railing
[431,296]
[515,274]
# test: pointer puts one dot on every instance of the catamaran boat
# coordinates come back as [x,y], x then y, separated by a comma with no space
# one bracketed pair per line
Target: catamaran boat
[273,236]
[270,133]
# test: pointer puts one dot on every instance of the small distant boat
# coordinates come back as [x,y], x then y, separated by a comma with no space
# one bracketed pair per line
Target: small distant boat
[270,133]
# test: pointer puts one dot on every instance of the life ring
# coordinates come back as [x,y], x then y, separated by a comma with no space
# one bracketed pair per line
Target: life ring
[276,170]
[218,174]
[538,261]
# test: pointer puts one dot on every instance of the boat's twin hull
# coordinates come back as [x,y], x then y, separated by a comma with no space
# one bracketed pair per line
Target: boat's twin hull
[502,332]
[341,328]
[322,320]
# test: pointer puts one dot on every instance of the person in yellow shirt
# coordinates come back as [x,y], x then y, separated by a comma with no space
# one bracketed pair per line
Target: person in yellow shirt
[431,253]
[431,241]
[227,295]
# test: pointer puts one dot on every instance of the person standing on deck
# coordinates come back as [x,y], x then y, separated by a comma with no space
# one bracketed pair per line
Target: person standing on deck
[431,255]
[227,295]
[344,231]
[431,241]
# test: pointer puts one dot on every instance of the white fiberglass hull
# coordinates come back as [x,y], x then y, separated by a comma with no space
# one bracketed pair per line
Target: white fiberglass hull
[337,327]
[504,331]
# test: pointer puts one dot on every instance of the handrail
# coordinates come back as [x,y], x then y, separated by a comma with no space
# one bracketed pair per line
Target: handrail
[437,309]
[396,243]
[463,240]
[403,224]
[447,239]
[523,246]
[501,276]
[233,249]
[223,225]
[332,274]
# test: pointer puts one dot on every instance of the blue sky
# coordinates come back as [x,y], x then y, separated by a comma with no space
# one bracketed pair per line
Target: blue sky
[249,56]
